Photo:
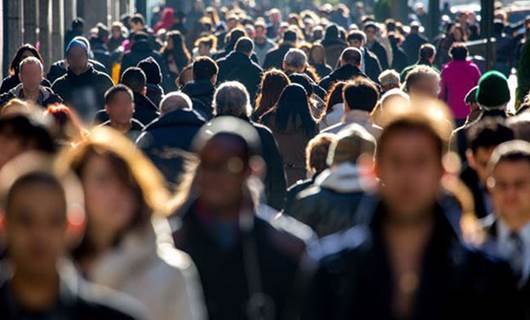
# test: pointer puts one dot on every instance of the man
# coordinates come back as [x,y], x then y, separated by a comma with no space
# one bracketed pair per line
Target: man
[426,56]
[413,41]
[422,82]
[167,140]
[30,88]
[370,64]
[145,110]
[232,99]
[360,97]
[275,20]
[330,205]
[238,66]
[82,87]
[405,260]
[39,283]
[262,44]
[371,29]
[295,66]
[509,227]
[482,139]
[222,228]
[274,57]
[119,106]
[202,88]
[232,22]
[141,49]
[349,68]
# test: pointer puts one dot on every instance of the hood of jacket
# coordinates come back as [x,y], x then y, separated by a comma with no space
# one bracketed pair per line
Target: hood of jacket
[346,72]
[199,88]
[177,118]
[343,178]
[237,60]
[143,102]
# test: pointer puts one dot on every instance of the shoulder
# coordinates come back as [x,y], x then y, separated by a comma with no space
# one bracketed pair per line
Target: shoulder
[285,228]
[339,246]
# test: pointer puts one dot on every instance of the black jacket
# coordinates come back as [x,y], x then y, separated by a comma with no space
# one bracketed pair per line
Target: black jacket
[372,65]
[274,57]
[354,279]
[167,139]
[470,178]
[58,69]
[139,51]
[46,97]
[145,110]
[267,256]
[344,73]
[380,52]
[85,93]
[12,81]
[411,45]
[238,67]
[201,90]
[155,93]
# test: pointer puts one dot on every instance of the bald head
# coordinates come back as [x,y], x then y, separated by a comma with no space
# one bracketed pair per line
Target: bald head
[175,101]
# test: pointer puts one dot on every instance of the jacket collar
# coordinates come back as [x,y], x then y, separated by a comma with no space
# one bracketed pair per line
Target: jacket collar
[176,118]
[44,93]
[343,178]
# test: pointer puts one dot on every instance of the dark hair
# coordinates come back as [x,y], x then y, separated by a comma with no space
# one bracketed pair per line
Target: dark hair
[204,68]
[289,36]
[426,52]
[409,124]
[334,96]
[78,24]
[314,47]
[232,37]
[272,84]
[137,18]
[30,132]
[514,150]
[244,45]
[134,78]
[356,35]
[152,71]
[180,53]
[360,94]
[293,104]
[351,56]
[17,59]
[113,91]
[38,177]
[488,133]
[458,51]
[317,152]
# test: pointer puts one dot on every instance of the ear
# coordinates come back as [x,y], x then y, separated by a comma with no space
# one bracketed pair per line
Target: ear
[75,226]
[470,158]
[257,167]
[144,91]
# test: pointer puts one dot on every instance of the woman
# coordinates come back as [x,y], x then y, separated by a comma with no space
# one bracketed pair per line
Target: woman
[317,59]
[293,126]
[272,84]
[175,54]
[166,21]
[125,247]
[334,106]
[456,34]
[12,80]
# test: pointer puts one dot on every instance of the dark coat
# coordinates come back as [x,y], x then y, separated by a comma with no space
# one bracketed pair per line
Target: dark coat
[201,90]
[102,55]
[238,67]
[144,111]
[354,279]
[167,139]
[380,52]
[294,190]
[139,51]
[274,57]
[411,45]
[344,73]
[12,81]
[46,97]
[471,180]
[399,58]
[269,253]
[85,93]
[372,65]
[322,69]
[155,93]
[134,131]
[58,69]
[334,50]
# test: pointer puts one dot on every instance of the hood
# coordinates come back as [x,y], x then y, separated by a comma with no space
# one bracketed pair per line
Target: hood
[346,72]
[235,58]
[343,178]
[199,88]
[177,118]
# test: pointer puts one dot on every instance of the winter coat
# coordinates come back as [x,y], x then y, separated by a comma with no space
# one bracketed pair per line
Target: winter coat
[239,67]
[344,73]
[85,93]
[155,93]
[167,140]
[203,91]
[411,45]
[359,117]
[371,65]
[333,50]
[457,79]
[46,96]
[380,52]
[13,80]
[322,70]
[274,57]
[134,131]
[59,69]
[330,205]
[147,267]
[139,51]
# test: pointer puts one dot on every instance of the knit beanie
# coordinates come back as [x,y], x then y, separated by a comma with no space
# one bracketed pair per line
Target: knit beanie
[75,43]
[493,91]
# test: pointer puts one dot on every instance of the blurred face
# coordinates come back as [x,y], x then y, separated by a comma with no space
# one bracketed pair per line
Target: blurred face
[110,204]
[36,228]
[26,54]
[371,34]
[221,173]
[317,54]
[260,33]
[116,32]
[11,147]
[231,24]
[457,35]
[31,76]
[356,44]
[204,49]
[510,190]
[478,161]
[275,17]
[77,60]
[120,109]
[427,87]
[135,27]
[410,170]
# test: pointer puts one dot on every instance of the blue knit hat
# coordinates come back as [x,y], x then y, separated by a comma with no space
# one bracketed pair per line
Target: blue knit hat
[76,44]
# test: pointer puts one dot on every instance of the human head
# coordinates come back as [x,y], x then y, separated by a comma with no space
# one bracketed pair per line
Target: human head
[205,45]
[482,138]
[153,73]
[520,124]
[360,94]
[422,81]
[261,30]
[427,53]
[316,153]
[293,103]
[289,36]
[334,96]
[272,84]
[231,99]
[275,16]
[351,143]
[509,183]
[370,29]
[119,105]
[493,92]
[77,56]
[245,46]
[458,51]
[175,101]
[25,51]
[317,54]
[389,79]
[30,74]
[356,39]
[116,30]
[137,22]
[78,24]
[350,56]
[134,78]
[294,61]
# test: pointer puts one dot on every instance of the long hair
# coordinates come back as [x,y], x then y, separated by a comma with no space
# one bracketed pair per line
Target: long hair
[334,96]
[179,52]
[272,84]
[293,105]
[13,66]
[315,47]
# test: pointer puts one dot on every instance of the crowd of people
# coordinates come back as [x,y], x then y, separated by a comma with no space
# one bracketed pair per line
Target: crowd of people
[240,163]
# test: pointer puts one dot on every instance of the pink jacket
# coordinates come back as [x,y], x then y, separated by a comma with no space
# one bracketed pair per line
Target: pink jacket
[458,77]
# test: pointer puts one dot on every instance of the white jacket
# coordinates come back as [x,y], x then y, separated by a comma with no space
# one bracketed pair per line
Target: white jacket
[146,266]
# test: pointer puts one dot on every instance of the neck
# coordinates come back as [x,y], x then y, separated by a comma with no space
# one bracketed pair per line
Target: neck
[80,70]
[517,222]
[31,94]
[121,127]
[35,292]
